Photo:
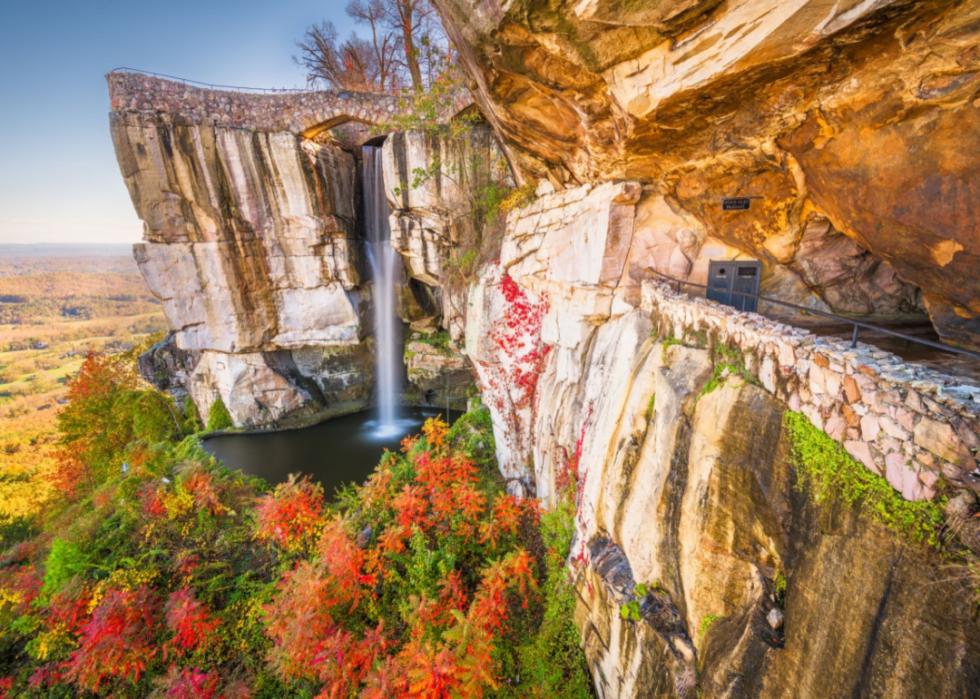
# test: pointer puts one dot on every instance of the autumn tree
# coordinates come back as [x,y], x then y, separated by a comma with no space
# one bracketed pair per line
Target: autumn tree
[352,64]
[107,412]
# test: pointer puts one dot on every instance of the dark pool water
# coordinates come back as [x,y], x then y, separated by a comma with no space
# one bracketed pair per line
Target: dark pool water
[338,451]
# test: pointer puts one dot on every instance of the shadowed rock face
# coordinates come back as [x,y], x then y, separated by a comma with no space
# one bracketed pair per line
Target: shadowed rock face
[860,114]
[862,614]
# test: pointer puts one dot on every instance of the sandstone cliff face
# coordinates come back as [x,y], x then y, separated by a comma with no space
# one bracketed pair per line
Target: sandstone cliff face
[685,484]
[437,187]
[852,124]
[250,243]
[699,504]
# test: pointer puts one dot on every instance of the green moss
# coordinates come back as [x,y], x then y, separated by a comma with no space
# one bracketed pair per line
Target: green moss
[706,623]
[721,372]
[729,361]
[218,416]
[472,433]
[651,407]
[630,611]
[831,472]
[779,583]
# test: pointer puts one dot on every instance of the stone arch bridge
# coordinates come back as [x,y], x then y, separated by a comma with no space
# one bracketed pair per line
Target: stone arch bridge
[305,113]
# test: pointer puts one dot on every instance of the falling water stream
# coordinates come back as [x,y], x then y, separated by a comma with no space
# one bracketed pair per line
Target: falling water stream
[355,442]
[385,271]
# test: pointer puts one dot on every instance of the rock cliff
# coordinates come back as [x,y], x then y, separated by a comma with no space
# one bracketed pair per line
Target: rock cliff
[253,241]
[851,125]
[704,561]
[250,242]
[670,411]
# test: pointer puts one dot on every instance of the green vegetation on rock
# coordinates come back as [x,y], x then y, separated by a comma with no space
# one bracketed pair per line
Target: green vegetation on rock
[830,472]
[218,416]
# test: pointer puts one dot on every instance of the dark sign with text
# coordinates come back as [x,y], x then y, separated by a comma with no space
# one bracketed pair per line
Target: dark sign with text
[735,203]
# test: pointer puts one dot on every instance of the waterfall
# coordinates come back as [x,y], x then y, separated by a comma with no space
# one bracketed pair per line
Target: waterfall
[385,267]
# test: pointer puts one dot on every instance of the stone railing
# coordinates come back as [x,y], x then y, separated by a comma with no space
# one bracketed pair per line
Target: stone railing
[293,111]
[305,112]
[905,422]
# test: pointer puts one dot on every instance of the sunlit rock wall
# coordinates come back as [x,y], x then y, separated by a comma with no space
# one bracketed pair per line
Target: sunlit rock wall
[854,127]
[685,483]
[249,241]
[439,186]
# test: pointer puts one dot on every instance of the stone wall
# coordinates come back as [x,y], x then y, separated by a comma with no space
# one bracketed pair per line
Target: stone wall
[902,421]
[288,111]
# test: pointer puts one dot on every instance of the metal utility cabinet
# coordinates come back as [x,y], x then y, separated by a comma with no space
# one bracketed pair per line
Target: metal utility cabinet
[735,283]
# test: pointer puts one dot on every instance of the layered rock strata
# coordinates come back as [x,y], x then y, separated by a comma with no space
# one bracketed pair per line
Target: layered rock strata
[439,187]
[861,116]
[250,242]
[670,411]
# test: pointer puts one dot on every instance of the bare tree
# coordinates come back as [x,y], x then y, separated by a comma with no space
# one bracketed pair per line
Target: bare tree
[347,65]
[385,43]
[406,46]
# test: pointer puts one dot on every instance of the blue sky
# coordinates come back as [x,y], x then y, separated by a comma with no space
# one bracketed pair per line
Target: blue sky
[58,176]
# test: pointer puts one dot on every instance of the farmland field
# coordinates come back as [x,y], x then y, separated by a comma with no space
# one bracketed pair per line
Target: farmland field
[57,303]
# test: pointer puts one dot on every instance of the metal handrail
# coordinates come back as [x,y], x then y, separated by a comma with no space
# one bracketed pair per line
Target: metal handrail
[856,323]
[211,86]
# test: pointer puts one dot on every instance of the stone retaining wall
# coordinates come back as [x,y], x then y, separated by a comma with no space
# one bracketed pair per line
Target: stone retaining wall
[907,423]
[298,112]
[295,112]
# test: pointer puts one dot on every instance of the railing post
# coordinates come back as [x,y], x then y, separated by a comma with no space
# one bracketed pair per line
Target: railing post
[854,337]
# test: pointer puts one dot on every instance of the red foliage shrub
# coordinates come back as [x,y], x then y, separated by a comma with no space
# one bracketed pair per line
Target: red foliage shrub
[200,484]
[25,584]
[299,620]
[191,683]
[343,560]
[189,619]
[118,639]
[290,516]
[151,501]
[68,609]
[68,473]
[92,433]
[411,507]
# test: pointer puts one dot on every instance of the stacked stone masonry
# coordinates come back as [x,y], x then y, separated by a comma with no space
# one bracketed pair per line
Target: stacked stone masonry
[304,112]
[294,112]
[907,423]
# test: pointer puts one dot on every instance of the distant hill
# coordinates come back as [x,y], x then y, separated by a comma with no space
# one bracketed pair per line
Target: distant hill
[66,250]
[65,259]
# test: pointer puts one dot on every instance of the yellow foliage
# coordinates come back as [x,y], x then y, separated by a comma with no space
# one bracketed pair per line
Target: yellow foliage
[121,579]
[435,430]
[178,503]
[10,597]
[48,643]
